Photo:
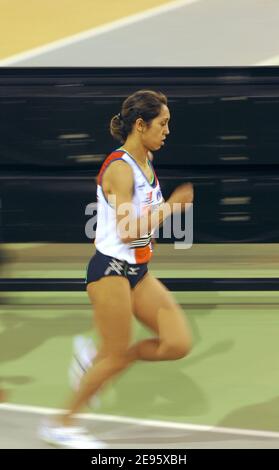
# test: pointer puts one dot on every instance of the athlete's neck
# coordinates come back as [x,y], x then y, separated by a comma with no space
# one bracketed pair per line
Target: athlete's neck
[138,152]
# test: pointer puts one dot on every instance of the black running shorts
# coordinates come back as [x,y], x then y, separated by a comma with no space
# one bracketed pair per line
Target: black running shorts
[102,265]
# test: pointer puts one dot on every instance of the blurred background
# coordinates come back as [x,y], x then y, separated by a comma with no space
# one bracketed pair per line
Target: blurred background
[54,135]
[138,33]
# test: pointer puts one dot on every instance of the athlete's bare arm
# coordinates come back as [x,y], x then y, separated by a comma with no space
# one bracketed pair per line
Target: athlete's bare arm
[118,185]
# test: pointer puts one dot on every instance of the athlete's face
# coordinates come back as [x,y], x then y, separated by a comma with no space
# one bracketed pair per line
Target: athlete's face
[154,134]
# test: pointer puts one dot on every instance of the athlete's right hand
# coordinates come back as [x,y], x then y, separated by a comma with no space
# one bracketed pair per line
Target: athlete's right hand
[183,194]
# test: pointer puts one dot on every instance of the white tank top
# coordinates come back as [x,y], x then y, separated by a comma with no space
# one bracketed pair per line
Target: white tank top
[145,195]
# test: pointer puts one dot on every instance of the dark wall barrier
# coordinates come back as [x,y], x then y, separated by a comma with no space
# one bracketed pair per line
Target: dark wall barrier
[224,138]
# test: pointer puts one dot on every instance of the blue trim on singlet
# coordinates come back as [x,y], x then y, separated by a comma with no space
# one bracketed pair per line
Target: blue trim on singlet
[152,185]
[115,151]
[115,160]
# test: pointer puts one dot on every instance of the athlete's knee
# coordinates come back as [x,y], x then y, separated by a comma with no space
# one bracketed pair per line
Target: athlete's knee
[185,347]
[175,349]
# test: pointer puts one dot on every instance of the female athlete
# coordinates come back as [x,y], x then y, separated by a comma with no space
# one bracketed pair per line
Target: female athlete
[130,207]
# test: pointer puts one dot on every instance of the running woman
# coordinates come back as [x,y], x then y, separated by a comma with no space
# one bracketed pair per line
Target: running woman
[118,282]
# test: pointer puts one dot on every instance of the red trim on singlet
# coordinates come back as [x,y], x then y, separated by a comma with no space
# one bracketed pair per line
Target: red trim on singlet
[113,156]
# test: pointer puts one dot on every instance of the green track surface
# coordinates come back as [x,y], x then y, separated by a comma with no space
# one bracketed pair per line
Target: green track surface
[230,379]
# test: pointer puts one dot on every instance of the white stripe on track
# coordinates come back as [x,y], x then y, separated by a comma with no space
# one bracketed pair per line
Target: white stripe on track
[96,31]
[142,422]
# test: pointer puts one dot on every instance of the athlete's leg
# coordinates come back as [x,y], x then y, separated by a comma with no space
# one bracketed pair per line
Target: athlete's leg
[111,300]
[155,307]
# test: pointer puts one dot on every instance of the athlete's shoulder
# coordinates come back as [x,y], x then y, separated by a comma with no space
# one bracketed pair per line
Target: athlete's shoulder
[119,164]
[115,155]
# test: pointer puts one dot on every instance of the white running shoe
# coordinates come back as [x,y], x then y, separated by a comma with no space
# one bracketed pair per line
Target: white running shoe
[69,437]
[84,352]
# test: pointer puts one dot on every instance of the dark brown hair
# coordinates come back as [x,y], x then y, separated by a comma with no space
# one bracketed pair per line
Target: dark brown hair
[145,104]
